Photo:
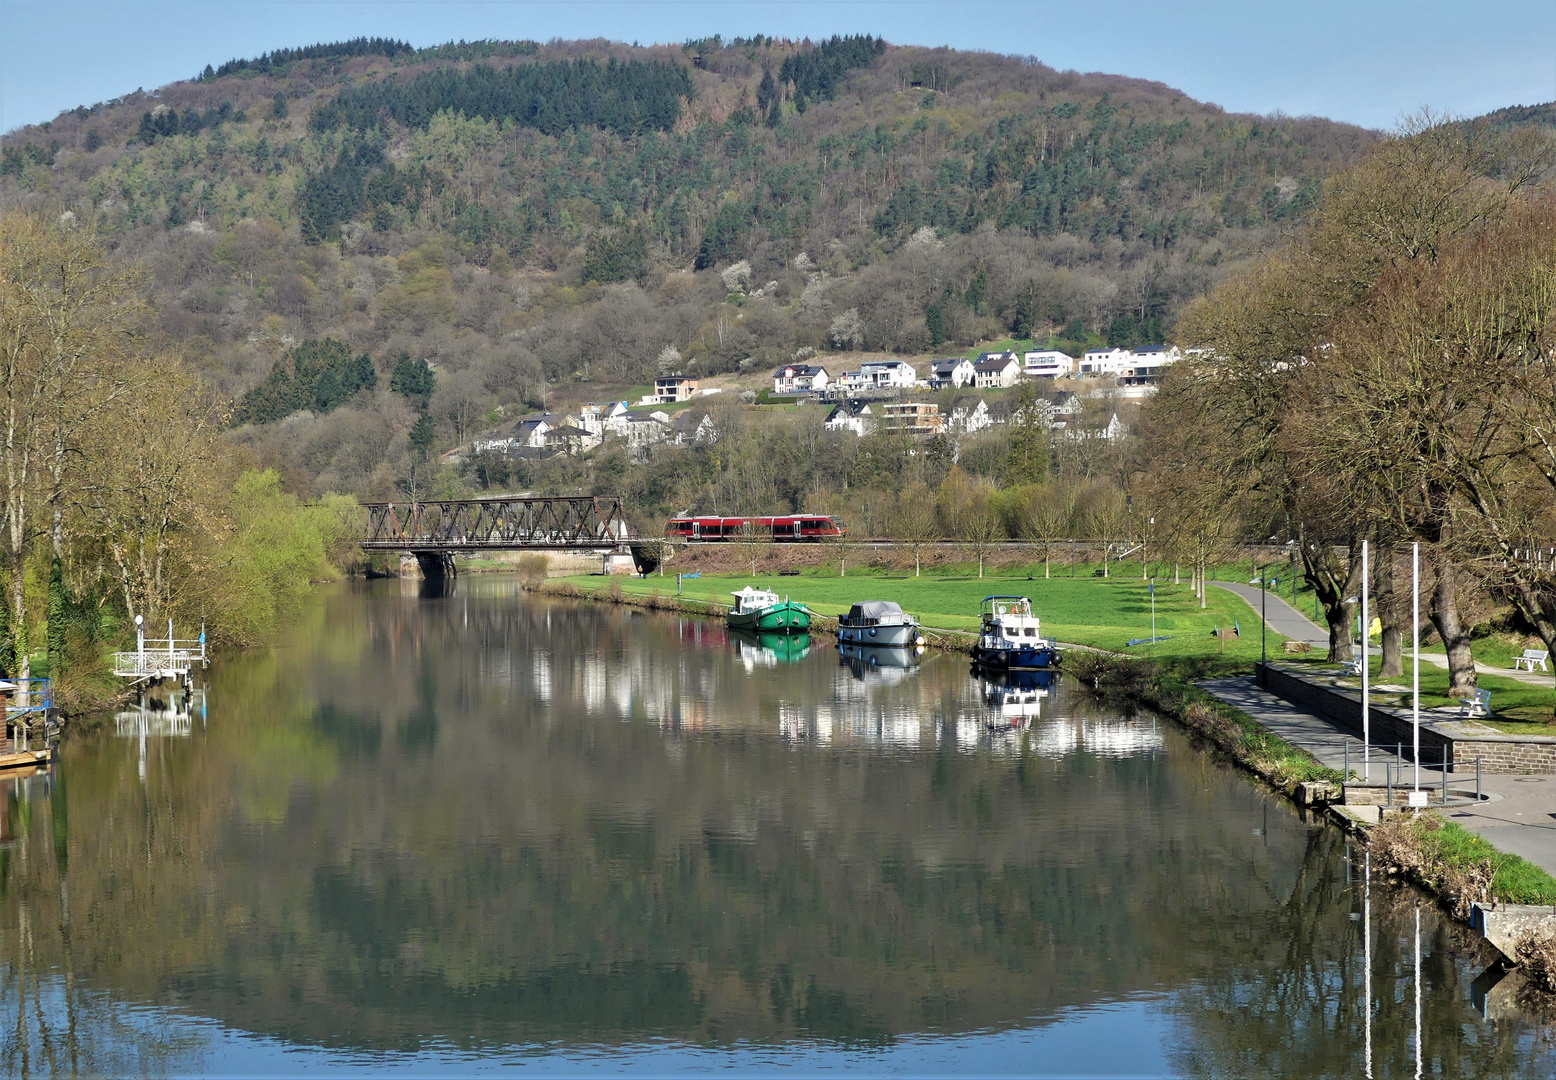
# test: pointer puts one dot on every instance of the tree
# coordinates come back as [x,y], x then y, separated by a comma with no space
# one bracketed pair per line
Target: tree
[413,379]
[913,520]
[1027,434]
[847,330]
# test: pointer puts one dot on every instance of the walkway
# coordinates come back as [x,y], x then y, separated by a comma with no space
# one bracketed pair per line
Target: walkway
[1289,622]
[1520,818]
[1280,616]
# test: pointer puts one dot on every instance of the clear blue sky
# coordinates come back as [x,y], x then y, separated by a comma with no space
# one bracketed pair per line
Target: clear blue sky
[1364,61]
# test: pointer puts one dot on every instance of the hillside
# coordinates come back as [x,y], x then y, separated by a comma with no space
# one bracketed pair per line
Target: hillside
[537,220]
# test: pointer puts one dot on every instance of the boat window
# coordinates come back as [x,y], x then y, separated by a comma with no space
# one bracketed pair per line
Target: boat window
[1031,632]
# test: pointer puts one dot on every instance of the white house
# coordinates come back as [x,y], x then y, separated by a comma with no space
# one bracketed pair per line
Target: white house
[799,379]
[968,416]
[882,375]
[1048,364]
[1105,363]
[954,371]
[852,416]
[1000,369]
[693,427]
[1149,364]
[644,429]
[604,418]
[525,433]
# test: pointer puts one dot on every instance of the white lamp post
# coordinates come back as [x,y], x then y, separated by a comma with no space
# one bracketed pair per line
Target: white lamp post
[1415,647]
[1366,636]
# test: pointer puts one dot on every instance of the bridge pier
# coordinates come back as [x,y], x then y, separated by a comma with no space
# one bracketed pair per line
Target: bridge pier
[428,565]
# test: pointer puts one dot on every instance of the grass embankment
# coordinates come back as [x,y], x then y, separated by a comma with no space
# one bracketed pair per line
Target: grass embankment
[1102,613]
[1169,687]
[1460,866]
[1521,708]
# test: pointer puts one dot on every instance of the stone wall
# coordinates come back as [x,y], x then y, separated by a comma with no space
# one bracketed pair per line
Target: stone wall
[1506,755]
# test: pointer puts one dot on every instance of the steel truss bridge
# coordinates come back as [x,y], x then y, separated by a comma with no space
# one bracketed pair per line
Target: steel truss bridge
[461,526]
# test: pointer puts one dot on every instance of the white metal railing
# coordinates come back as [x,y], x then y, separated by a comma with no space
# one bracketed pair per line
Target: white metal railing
[156,663]
[169,658]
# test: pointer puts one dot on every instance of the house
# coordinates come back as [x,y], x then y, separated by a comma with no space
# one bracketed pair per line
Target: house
[914,417]
[1105,363]
[645,429]
[1064,403]
[852,416]
[955,372]
[604,418]
[525,433]
[799,379]
[692,427]
[572,438]
[1001,369]
[881,375]
[1149,364]
[670,389]
[968,416]
[1048,364]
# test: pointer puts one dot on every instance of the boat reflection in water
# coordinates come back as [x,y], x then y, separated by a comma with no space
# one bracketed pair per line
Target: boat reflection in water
[1017,696]
[769,650]
[881,663]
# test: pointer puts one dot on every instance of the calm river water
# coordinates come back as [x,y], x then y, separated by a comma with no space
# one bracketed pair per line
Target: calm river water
[442,834]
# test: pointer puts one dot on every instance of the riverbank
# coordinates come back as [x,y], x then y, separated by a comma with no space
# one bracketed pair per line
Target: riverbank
[1455,866]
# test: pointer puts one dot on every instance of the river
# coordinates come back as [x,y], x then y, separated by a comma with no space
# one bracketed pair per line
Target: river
[445,833]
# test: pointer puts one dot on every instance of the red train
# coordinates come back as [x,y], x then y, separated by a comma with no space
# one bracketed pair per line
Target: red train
[786,529]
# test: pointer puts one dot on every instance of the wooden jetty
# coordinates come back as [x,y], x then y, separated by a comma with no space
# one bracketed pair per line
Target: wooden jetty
[23,759]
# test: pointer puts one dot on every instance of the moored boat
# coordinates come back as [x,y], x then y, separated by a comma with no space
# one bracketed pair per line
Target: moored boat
[878,622]
[769,650]
[1011,637]
[763,611]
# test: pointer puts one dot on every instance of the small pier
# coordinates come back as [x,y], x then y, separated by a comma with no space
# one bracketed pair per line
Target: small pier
[29,712]
[155,659]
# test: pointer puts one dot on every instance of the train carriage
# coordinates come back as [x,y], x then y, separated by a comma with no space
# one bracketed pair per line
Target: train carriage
[781,529]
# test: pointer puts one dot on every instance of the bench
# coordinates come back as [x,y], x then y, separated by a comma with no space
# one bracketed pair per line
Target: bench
[1530,658]
[1479,705]
[1351,669]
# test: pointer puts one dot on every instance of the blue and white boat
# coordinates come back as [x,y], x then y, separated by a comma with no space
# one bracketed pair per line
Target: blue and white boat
[878,622]
[1011,637]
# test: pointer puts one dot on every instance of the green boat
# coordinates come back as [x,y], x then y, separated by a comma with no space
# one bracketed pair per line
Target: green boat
[762,611]
[769,650]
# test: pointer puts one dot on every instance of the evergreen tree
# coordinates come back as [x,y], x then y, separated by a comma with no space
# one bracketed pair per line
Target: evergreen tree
[278,106]
[413,379]
[422,434]
[58,604]
[936,323]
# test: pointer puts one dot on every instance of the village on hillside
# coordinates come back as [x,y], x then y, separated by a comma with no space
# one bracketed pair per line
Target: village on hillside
[878,394]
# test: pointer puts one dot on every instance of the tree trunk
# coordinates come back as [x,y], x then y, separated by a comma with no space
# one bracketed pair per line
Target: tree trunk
[1444,614]
[1393,665]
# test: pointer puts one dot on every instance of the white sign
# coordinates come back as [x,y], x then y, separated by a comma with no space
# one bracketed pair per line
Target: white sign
[1418,798]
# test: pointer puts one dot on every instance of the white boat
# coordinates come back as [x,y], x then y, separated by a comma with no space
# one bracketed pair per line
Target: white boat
[878,622]
[1012,637]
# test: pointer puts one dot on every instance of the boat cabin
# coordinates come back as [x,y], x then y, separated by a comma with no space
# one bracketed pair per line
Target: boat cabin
[875,613]
[1008,623]
[752,599]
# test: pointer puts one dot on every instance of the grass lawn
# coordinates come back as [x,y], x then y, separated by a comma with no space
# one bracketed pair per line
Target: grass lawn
[1521,709]
[1102,612]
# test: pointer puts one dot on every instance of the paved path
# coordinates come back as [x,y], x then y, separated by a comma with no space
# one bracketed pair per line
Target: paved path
[1289,622]
[1520,817]
[1279,615]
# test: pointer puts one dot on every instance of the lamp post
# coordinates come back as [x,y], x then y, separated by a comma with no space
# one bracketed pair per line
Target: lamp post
[1415,647]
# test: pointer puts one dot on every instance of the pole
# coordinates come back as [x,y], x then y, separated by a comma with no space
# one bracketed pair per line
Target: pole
[1367,952]
[1264,652]
[1366,637]
[1153,611]
[1415,646]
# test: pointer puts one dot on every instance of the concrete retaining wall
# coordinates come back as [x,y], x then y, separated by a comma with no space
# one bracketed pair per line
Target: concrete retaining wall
[1345,710]
[1496,753]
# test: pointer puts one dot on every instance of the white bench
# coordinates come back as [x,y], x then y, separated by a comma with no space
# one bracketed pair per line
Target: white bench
[1351,669]
[1479,705]
[1530,658]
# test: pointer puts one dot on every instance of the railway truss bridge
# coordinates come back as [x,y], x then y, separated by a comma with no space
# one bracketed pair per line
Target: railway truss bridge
[436,530]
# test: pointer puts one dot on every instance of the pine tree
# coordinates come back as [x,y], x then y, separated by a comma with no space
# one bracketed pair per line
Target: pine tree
[413,379]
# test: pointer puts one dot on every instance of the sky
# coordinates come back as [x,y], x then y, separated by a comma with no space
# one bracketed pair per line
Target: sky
[1368,62]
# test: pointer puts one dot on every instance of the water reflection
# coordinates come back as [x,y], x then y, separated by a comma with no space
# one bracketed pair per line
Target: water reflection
[478,826]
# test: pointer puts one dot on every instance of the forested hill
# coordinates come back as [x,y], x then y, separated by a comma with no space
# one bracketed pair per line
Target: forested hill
[527,217]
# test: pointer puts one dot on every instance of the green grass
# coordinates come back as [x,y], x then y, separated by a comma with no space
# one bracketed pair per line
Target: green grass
[1101,612]
[1514,879]
[1520,708]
